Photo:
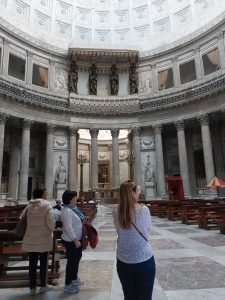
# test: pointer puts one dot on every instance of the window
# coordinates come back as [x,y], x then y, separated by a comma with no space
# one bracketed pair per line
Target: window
[165,79]
[211,62]
[16,67]
[40,76]
[187,72]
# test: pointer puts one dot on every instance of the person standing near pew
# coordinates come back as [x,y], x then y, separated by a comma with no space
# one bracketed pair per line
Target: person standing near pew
[72,219]
[135,261]
[38,238]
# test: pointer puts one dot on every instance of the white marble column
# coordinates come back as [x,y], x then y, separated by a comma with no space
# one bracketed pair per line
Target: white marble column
[14,165]
[24,160]
[161,187]
[49,178]
[51,75]
[115,158]
[198,64]
[183,157]
[207,147]
[3,118]
[221,50]
[94,158]
[176,72]
[5,60]
[154,79]
[137,154]
[73,180]
[29,67]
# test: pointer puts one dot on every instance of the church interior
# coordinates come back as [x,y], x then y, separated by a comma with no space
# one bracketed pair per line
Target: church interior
[96,92]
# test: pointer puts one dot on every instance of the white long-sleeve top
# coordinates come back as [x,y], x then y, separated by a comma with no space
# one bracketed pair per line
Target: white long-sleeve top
[72,226]
[131,246]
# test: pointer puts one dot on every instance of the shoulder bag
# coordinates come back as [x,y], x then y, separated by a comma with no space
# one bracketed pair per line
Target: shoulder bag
[141,234]
[21,225]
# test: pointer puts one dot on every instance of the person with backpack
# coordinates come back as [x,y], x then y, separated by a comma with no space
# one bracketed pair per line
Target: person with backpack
[72,219]
[135,261]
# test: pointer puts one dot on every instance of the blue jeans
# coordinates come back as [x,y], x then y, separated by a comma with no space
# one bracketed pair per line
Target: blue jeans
[73,256]
[137,279]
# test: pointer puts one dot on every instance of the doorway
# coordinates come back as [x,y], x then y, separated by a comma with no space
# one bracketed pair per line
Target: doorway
[199,168]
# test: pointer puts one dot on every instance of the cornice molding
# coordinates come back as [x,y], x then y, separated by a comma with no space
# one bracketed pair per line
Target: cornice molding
[112,105]
[112,55]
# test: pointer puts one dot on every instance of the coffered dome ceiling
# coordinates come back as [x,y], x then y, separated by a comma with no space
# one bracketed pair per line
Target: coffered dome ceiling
[145,25]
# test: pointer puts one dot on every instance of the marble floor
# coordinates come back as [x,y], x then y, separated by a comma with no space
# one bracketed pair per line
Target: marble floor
[190,265]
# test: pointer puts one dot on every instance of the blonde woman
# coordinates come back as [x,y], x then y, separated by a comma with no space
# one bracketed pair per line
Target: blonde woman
[135,260]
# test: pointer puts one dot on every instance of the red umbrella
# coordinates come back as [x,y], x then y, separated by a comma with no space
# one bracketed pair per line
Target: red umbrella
[216,183]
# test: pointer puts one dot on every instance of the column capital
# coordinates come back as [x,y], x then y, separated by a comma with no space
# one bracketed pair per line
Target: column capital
[220,36]
[29,54]
[179,124]
[196,50]
[157,128]
[3,118]
[136,131]
[94,132]
[203,119]
[6,42]
[115,132]
[73,131]
[50,128]
[27,124]
[174,59]
[52,62]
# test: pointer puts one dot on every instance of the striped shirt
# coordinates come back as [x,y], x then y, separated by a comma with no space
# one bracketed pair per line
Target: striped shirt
[131,246]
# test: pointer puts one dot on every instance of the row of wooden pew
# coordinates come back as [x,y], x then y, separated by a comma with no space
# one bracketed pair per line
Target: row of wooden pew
[206,214]
[10,245]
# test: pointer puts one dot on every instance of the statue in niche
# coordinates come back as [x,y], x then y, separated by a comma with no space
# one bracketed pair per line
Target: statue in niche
[148,171]
[114,81]
[93,80]
[60,175]
[73,78]
[133,78]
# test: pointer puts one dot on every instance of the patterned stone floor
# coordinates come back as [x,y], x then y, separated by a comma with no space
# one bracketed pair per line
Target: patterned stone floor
[190,265]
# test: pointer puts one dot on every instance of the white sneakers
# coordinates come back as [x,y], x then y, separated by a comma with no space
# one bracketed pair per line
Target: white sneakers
[73,287]
[33,292]
[45,289]
[77,282]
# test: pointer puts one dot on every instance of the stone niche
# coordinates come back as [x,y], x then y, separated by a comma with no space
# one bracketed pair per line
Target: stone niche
[148,164]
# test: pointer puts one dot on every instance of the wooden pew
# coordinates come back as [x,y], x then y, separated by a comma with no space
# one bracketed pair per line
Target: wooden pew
[157,207]
[208,216]
[221,221]
[10,246]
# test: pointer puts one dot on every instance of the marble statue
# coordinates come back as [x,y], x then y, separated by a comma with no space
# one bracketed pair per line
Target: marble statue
[73,78]
[93,81]
[114,81]
[133,78]
[61,176]
[148,172]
